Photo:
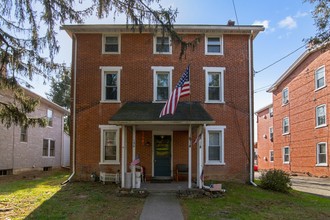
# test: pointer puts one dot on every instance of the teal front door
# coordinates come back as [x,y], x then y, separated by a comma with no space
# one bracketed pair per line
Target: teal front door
[162,155]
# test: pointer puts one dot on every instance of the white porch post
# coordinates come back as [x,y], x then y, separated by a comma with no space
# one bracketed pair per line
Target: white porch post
[133,156]
[201,157]
[123,155]
[189,158]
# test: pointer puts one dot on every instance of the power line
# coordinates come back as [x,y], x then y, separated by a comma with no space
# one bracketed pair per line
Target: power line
[262,88]
[233,1]
[256,72]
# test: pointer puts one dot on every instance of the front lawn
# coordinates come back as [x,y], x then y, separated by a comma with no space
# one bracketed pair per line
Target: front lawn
[249,202]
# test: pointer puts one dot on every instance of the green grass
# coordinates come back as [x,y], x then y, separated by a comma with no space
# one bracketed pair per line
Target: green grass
[45,198]
[248,202]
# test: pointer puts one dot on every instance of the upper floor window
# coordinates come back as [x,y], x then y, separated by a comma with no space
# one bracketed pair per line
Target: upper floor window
[111,44]
[285,126]
[271,112]
[49,118]
[322,154]
[286,154]
[162,83]
[320,115]
[271,133]
[215,145]
[23,137]
[214,84]
[271,156]
[213,45]
[320,78]
[110,84]
[48,148]
[162,45]
[285,96]
[109,144]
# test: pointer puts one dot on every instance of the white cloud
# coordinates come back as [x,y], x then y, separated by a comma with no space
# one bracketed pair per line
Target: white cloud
[288,23]
[264,23]
[301,14]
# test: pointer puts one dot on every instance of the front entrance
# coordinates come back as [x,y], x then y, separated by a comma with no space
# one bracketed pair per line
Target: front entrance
[162,155]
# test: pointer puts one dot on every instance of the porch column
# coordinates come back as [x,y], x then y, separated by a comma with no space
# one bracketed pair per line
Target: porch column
[189,157]
[200,164]
[133,156]
[123,155]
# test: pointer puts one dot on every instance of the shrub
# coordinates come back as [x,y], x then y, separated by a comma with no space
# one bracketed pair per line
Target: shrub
[276,180]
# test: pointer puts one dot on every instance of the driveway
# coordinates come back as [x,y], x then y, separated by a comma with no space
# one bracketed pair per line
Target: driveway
[313,185]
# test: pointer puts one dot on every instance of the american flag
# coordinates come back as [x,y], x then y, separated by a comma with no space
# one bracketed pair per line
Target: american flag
[182,89]
[136,161]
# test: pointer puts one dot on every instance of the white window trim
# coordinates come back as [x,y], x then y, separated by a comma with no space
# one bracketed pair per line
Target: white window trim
[50,126]
[221,44]
[318,164]
[104,128]
[161,69]
[272,161]
[222,156]
[48,150]
[286,133]
[287,101]
[271,132]
[315,80]
[222,90]
[316,116]
[155,43]
[110,69]
[111,35]
[283,154]
[271,112]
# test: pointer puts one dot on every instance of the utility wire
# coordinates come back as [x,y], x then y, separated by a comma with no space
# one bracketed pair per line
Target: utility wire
[235,12]
[256,72]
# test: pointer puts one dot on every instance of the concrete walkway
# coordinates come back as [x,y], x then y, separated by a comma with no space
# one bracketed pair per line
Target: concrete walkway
[161,206]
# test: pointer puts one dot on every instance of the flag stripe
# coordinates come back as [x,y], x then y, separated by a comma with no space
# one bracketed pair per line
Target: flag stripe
[182,89]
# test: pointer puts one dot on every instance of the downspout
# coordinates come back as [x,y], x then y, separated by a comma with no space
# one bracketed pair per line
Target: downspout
[251,113]
[74,112]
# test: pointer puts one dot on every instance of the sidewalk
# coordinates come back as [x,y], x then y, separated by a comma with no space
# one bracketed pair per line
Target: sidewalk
[162,206]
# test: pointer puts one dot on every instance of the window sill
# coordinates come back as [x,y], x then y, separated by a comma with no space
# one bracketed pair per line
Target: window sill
[284,134]
[214,102]
[109,163]
[213,54]
[215,164]
[109,102]
[320,88]
[162,53]
[285,104]
[163,101]
[321,126]
[48,157]
[287,163]
[321,165]
[110,53]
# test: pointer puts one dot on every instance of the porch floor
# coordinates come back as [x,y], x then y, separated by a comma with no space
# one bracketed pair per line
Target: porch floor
[166,187]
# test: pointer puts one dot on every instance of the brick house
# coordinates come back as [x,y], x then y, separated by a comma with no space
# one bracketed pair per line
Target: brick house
[300,122]
[121,81]
[265,149]
[35,148]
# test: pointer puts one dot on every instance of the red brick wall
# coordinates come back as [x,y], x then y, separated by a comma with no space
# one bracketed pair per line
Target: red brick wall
[265,144]
[303,99]
[136,59]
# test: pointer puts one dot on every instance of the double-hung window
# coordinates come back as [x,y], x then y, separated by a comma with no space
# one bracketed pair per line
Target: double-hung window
[214,84]
[271,156]
[320,78]
[271,112]
[214,45]
[110,84]
[215,145]
[286,154]
[111,44]
[50,118]
[24,134]
[109,144]
[162,45]
[271,133]
[285,125]
[48,148]
[321,154]
[285,96]
[320,116]
[162,83]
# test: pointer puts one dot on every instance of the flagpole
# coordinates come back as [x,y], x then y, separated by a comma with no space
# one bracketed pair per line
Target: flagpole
[190,91]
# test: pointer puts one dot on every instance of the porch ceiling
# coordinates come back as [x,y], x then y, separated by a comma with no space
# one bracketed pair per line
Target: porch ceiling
[143,113]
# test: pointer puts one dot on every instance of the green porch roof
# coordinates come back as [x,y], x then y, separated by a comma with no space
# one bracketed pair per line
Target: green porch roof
[148,113]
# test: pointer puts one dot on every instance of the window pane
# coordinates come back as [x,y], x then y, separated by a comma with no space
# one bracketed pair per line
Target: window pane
[214,93]
[163,48]
[111,40]
[45,148]
[110,153]
[111,48]
[110,145]
[23,137]
[162,79]
[52,148]
[50,117]
[322,149]
[214,153]
[111,93]
[322,158]
[214,79]
[214,138]
[213,45]
[213,41]
[319,75]
[163,40]
[163,44]
[162,93]
[213,49]
[111,44]
[286,158]
[111,79]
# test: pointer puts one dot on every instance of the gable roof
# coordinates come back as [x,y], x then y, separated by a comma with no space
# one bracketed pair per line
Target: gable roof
[148,113]
[264,108]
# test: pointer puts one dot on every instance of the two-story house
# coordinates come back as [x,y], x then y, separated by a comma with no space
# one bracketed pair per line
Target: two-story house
[265,133]
[300,123]
[121,81]
[35,148]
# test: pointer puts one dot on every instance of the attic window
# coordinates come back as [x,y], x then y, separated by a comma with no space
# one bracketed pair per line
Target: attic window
[111,44]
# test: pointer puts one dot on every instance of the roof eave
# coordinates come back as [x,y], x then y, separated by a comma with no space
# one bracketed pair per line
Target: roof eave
[160,122]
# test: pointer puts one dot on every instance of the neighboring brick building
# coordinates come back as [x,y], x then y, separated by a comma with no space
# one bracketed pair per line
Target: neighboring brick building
[34,148]
[300,103]
[121,81]
[265,150]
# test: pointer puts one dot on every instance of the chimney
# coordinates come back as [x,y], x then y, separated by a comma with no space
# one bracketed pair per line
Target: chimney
[231,23]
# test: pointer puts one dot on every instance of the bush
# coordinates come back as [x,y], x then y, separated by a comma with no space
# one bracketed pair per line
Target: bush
[276,180]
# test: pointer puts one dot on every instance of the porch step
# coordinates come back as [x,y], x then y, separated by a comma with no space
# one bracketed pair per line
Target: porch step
[161,180]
